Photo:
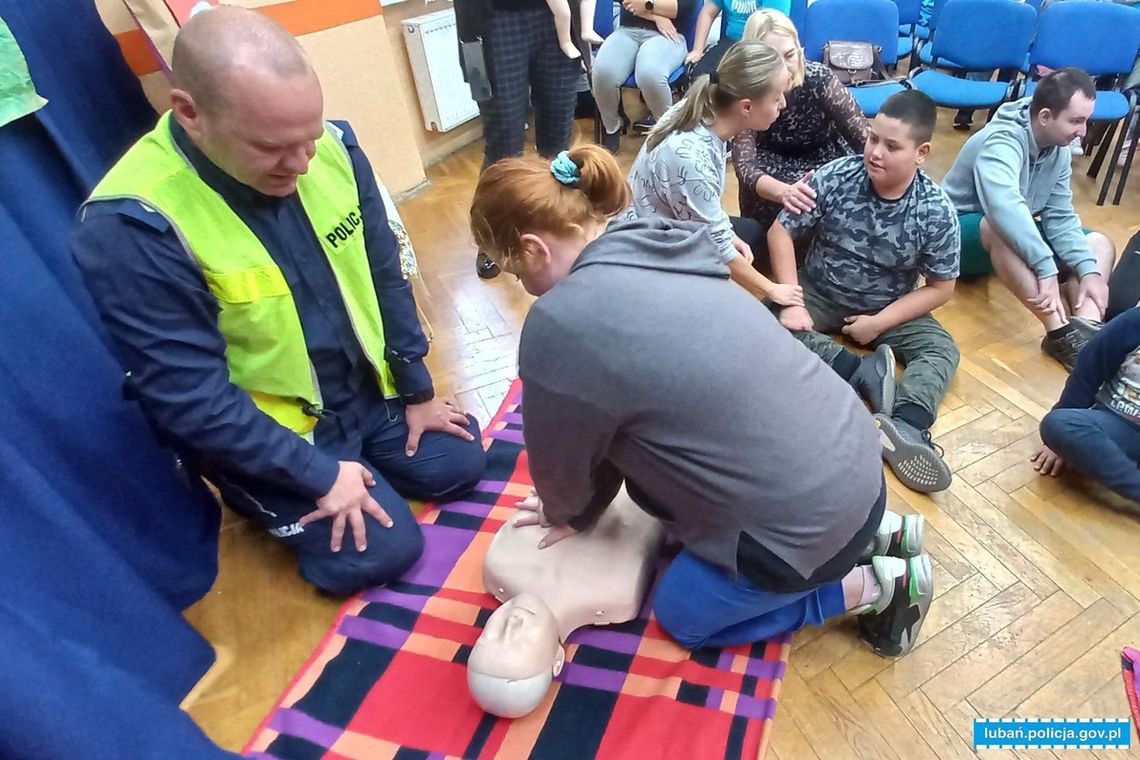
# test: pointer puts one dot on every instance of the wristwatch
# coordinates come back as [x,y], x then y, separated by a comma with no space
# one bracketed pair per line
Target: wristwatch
[419,397]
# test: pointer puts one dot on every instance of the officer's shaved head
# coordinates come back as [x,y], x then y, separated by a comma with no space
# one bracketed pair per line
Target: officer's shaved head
[247,97]
[225,41]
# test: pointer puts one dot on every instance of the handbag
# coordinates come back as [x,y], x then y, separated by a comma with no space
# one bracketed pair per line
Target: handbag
[854,63]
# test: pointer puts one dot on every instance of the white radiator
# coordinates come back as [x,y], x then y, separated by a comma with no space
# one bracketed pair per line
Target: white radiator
[433,49]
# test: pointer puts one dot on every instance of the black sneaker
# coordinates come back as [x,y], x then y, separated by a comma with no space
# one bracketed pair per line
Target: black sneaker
[912,455]
[611,141]
[1087,327]
[898,536]
[963,119]
[875,379]
[645,125]
[891,624]
[485,267]
[1065,346]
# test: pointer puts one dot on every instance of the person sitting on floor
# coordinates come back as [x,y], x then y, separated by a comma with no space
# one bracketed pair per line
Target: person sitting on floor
[1011,186]
[714,424]
[880,222]
[241,258]
[680,171]
[1124,284]
[1095,426]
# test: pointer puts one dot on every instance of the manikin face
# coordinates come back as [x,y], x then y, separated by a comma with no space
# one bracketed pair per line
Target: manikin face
[263,130]
[1066,126]
[519,641]
[892,155]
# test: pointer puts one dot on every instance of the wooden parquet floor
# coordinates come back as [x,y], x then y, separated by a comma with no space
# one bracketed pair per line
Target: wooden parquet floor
[1038,583]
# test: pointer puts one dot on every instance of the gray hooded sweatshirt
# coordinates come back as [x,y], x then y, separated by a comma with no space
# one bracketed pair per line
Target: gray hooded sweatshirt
[1002,173]
[648,364]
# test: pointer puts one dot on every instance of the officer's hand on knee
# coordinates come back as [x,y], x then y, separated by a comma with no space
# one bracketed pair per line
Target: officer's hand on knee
[346,502]
[439,414]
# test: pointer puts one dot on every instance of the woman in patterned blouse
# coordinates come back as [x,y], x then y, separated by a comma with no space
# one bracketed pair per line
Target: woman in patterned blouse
[821,123]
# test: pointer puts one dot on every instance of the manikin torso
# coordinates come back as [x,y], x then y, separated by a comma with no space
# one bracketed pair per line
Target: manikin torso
[598,577]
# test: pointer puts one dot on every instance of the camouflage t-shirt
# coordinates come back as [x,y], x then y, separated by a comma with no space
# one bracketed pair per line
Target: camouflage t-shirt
[867,251]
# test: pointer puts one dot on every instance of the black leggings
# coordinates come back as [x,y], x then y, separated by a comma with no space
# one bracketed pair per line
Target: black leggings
[755,235]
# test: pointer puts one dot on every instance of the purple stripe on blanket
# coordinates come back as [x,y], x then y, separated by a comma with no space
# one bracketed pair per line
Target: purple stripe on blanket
[294,723]
[766,669]
[395,598]
[757,709]
[594,678]
[494,487]
[373,632]
[443,546]
[508,435]
[614,641]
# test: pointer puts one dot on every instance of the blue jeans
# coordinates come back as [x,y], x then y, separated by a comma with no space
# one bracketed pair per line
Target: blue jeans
[701,605]
[373,433]
[1099,444]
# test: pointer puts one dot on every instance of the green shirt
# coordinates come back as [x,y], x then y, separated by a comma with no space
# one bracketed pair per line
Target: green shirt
[18,96]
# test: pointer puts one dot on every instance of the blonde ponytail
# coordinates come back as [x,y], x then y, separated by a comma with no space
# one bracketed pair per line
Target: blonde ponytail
[749,69]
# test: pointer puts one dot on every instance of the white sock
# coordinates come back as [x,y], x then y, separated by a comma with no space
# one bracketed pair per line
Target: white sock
[871,589]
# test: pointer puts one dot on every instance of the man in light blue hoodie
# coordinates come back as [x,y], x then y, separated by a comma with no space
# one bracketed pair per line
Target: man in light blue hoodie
[1011,186]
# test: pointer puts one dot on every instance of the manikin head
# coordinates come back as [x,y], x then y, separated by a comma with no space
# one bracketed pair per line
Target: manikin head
[1061,107]
[514,661]
[247,97]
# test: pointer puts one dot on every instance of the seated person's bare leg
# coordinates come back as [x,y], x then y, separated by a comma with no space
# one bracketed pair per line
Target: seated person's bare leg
[1105,253]
[1015,274]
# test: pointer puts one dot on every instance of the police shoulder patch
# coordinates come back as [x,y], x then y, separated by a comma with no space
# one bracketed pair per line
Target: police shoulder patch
[142,215]
[342,130]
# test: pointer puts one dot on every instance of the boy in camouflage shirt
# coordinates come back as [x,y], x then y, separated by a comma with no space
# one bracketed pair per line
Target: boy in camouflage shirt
[880,222]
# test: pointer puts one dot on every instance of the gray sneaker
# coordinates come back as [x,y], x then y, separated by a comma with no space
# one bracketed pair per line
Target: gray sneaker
[891,624]
[898,536]
[875,379]
[912,455]
[1087,327]
[1066,346]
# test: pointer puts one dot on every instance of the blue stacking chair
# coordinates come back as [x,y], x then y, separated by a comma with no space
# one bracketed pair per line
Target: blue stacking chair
[910,11]
[1104,40]
[873,21]
[923,34]
[979,35]
[799,16]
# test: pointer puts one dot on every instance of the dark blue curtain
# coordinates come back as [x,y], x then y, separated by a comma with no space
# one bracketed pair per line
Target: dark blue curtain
[102,540]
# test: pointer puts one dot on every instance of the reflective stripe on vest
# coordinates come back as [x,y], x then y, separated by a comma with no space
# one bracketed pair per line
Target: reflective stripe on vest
[265,345]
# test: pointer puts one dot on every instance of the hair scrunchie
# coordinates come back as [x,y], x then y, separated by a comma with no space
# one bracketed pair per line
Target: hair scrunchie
[565,170]
[713,78]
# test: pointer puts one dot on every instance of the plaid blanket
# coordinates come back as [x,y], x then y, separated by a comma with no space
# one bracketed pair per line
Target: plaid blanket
[389,679]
